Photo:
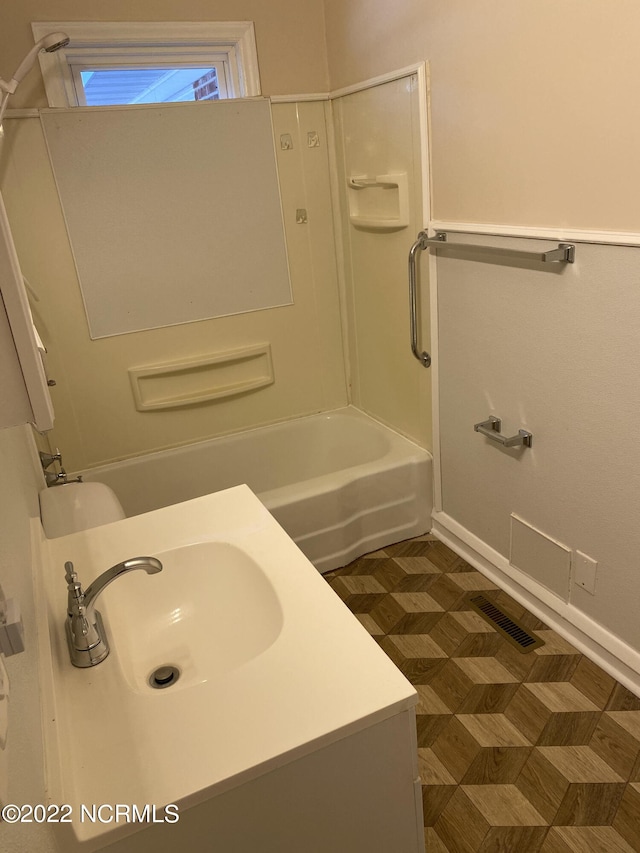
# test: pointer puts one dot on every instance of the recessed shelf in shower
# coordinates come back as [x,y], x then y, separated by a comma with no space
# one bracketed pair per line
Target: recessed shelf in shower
[380,202]
[201,379]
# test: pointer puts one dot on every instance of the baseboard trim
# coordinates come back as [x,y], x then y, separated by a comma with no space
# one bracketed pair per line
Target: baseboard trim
[604,648]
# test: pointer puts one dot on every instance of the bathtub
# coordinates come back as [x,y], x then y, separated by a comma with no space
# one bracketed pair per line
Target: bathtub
[340,483]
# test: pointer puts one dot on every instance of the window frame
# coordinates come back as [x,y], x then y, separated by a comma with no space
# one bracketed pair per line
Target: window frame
[230,42]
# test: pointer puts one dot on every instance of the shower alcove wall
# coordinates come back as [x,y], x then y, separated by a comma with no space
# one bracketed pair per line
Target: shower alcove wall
[343,339]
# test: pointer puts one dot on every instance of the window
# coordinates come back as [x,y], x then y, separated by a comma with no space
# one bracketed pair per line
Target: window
[140,63]
[100,86]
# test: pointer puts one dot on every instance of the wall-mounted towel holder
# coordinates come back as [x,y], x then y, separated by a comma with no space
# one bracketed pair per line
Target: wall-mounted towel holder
[380,202]
[564,253]
[491,429]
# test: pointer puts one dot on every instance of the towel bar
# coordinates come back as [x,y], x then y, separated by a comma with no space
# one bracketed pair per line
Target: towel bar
[491,429]
[564,253]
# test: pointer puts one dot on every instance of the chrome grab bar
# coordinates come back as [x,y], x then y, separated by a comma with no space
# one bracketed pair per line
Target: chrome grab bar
[565,253]
[491,429]
[421,243]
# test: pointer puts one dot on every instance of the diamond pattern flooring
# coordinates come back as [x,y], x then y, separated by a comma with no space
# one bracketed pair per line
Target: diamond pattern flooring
[518,753]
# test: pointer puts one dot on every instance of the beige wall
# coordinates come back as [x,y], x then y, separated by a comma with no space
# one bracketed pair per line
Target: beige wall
[289,35]
[533,120]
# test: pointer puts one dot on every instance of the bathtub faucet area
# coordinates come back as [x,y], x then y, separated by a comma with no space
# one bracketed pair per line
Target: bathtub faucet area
[86,636]
[55,478]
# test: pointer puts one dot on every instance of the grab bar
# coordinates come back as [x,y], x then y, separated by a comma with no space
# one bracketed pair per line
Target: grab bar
[565,252]
[491,429]
[421,243]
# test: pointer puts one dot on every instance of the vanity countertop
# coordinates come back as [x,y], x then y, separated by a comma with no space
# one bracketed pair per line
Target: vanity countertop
[286,669]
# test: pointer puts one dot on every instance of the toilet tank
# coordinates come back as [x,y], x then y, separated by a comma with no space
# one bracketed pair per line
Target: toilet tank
[77,506]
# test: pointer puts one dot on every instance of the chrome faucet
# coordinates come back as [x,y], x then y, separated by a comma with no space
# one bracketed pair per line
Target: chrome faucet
[55,478]
[86,636]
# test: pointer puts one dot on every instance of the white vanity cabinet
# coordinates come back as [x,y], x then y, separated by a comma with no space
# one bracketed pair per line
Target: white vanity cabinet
[25,393]
[287,730]
[359,794]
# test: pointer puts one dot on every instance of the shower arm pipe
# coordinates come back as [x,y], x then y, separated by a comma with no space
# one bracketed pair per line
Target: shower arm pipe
[421,243]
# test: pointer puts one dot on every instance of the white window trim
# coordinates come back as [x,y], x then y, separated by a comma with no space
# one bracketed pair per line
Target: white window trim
[236,39]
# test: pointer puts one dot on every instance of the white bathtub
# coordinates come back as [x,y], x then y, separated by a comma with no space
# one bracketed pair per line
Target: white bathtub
[340,483]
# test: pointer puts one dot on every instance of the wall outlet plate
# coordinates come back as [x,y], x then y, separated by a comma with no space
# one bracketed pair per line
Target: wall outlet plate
[585,572]
[544,559]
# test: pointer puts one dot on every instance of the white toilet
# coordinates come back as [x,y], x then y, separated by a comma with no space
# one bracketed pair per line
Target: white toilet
[77,506]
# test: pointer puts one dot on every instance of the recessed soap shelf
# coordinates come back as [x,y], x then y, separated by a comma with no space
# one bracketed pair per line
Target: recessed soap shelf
[202,379]
[380,202]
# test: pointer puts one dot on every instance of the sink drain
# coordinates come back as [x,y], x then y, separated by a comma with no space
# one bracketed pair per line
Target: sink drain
[164,676]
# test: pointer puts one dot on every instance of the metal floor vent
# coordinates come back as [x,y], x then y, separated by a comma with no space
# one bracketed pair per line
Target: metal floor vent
[508,627]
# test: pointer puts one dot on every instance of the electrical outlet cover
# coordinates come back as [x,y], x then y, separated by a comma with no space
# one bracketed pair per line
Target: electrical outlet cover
[584,572]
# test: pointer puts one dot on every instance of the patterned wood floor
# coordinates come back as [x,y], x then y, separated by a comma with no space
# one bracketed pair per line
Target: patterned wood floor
[519,753]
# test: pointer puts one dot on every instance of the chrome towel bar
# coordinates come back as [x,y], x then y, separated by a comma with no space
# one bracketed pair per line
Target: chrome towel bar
[421,243]
[491,429]
[564,253]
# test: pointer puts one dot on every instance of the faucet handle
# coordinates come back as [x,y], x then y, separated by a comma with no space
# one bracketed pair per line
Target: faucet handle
[80,617]
[75,598]
[47,459]
[77,614]
[70,573]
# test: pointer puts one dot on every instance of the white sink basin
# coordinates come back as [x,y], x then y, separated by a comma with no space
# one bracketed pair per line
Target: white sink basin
[272,665]
[210,610]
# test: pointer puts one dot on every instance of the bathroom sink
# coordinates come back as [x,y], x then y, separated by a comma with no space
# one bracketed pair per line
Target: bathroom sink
[271,666]
[210,610]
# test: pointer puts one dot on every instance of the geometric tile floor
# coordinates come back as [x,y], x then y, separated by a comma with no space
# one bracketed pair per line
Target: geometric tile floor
[518,753]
